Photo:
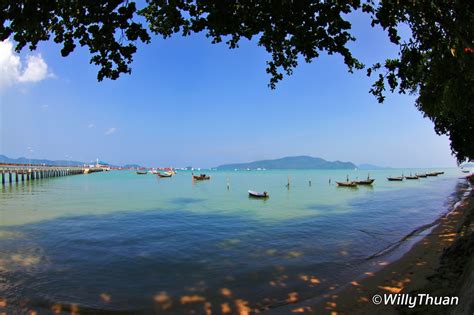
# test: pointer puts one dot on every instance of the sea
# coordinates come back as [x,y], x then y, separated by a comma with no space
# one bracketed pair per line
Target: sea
[121,243]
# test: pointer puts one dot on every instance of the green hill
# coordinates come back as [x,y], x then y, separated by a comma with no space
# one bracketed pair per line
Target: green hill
[292,162]
[24,160]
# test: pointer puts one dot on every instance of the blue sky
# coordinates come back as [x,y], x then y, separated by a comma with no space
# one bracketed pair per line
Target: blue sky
[189,102]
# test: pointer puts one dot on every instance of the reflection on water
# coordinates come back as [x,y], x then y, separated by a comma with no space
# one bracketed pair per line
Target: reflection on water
[120,242]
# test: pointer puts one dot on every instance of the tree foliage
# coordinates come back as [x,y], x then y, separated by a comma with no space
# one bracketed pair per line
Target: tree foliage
[105,27]
[435,62]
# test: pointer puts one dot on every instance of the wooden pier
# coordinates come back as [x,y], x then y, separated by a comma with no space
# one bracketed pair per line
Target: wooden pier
[16,173]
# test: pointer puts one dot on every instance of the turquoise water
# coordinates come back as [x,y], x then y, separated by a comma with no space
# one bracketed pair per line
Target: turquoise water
[119,241]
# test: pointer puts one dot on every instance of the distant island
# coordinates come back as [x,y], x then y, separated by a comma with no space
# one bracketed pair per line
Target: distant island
[291,162]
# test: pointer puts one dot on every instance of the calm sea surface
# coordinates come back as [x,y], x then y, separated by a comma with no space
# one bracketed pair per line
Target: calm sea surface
[119,241]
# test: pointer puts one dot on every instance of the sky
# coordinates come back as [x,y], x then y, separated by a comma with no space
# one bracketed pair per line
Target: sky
[191,103]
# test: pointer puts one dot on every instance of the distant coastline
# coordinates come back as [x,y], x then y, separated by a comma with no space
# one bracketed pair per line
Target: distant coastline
[28,161]
[295,162]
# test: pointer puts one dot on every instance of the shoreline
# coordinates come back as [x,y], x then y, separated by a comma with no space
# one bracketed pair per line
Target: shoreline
[425,268]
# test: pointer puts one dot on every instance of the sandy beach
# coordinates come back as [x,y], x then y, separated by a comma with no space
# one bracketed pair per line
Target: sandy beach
[441,264]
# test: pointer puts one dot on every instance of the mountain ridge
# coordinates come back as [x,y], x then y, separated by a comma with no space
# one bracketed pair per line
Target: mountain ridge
[291,162]
[24,160]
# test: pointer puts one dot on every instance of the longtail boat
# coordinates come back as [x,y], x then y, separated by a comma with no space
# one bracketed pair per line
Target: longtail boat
[421,175]
[346,184]
[432,174]
[142,172]
[398,179]
[411,177]
[201,177]
[368,181]
[255,194]
[164,175]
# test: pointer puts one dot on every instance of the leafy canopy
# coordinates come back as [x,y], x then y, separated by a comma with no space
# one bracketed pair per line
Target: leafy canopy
[436,63]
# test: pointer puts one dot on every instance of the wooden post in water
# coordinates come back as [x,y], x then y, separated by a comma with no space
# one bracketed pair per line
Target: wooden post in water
[16,176]
[10,177]
[3,177]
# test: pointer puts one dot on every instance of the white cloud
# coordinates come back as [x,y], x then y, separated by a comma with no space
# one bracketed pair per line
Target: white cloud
[90,125]
[36,70]
[13,70]
[9,64]
[110,131]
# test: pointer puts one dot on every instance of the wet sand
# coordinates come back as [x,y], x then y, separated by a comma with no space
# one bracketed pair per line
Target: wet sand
[440,264]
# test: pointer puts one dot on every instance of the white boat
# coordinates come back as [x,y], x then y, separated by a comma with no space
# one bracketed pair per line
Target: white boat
[258,194]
